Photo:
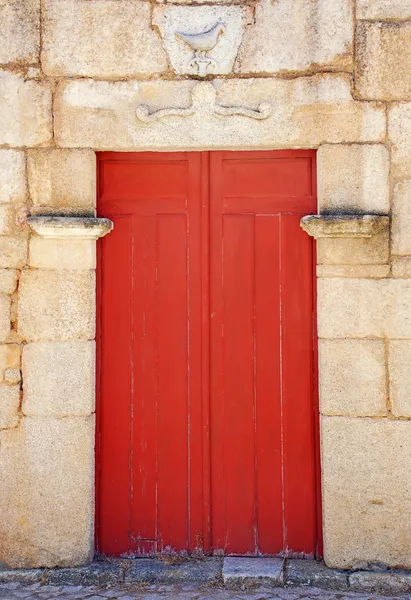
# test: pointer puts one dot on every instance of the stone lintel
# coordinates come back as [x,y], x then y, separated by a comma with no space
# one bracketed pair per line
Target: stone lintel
[59,227]
[340,226]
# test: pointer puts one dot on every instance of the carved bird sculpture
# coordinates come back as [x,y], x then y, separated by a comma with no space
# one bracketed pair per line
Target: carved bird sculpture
[201,43]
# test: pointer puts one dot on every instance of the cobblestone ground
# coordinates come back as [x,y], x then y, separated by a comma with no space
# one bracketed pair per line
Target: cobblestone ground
[36,591]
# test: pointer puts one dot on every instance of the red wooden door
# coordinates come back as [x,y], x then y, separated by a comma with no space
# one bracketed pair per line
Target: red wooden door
[207,411]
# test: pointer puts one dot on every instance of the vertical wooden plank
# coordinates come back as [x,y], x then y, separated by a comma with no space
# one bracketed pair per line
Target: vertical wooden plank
[268,417]
[238,391]
[172,416]
[217,482]
[297,378]
[116,385]
[198,399]
[143,450]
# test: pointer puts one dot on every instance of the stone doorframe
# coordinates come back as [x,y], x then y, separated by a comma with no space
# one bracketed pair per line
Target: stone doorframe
[364,303]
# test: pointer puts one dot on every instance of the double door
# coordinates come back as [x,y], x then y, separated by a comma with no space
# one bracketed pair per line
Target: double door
[207,412]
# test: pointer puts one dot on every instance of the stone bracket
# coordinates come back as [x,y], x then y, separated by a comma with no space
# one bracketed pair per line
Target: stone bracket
[59,227]
[344,226]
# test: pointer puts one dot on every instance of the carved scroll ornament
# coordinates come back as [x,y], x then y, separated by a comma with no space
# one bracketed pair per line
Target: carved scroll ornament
[203,103]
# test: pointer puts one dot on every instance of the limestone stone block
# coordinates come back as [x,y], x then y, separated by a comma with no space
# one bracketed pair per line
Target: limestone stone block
[100,39]
[354,251]
[400,377]
[12,176]
[401,219]
[399,133]
[361,308]
[8,281]
[9,405]
[74,254]
[4,317]
[322,37]
[19,31]
[58,378]
[401,266]
[383,9]
[56,305]
[9,358]
[13,251]
[50,498]
[366,491]
[352,377]
[383,52]
[12,219]
[62,178]
[353,178]
[354,271]
[25,111]
[307,111]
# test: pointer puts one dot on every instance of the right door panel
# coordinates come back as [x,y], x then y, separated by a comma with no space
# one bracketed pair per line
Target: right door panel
[263,484]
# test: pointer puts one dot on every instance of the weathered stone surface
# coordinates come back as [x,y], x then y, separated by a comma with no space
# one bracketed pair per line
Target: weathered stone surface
[23,576]
[12,176]
[401,219]
[56,305]
[99,573]
[4,317]
[354,271]
[354,251]
[243,571]
[25,111]
[384,61]
[401,266]
[145,570]
[353,178]
[399,354]
[314,572]
[366,494]
[9,358]
[8,281]
[383,9]
[13,251]
[58,378]
[364,308]
[62,178]
[12,219]
[19,31]
[9,404]
[352,379]
[12,376]
[322,37]
[50,497]
[62,254]
[393,582]
[399,132]
[100,39]
[307,111]
[196,19]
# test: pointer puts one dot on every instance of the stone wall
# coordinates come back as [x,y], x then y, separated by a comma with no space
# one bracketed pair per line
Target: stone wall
[336,75]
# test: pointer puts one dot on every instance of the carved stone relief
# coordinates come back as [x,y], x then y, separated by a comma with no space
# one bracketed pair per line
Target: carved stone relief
[203,103]
[202,40]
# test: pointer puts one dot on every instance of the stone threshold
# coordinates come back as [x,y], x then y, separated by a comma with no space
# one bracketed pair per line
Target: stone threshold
[230,572]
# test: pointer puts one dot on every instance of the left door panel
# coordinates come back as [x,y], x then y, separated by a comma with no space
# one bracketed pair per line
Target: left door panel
[151,413]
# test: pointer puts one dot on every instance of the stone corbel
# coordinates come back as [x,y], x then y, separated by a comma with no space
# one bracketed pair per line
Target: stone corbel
[62,227]
[344,226]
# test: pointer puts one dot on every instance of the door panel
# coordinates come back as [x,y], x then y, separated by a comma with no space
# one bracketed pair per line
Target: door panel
[207,409]
[150,418]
